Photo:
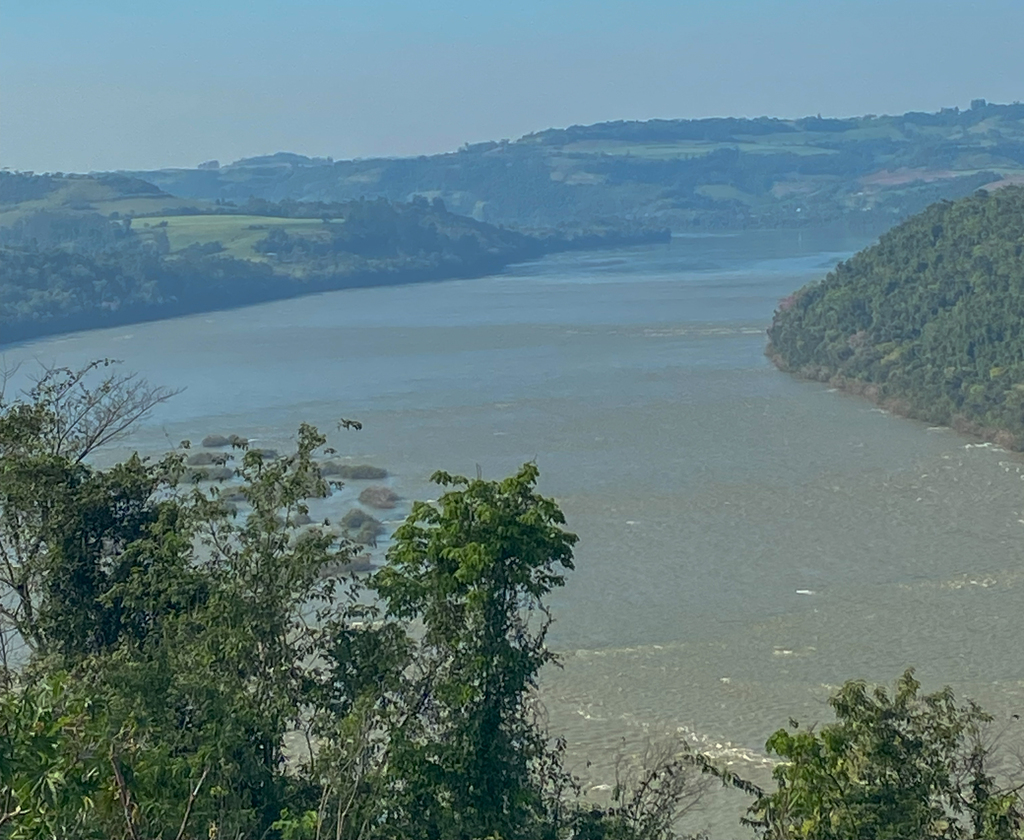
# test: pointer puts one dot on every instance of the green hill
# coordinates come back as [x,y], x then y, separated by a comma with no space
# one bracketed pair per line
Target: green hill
[25,194]
[928,322]
[66,265]
[869,171]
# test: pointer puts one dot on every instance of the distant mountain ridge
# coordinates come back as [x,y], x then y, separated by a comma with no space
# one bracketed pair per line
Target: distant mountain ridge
[714,173]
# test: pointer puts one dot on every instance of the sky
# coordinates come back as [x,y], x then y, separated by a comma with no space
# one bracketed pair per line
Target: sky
[104,84]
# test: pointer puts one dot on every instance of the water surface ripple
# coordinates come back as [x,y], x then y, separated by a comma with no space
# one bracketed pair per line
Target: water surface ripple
[747,541]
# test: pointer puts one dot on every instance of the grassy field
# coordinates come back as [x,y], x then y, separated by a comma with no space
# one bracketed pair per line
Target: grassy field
[237,234]
[85,195]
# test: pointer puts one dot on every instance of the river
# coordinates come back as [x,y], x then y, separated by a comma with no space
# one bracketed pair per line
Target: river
[747,541]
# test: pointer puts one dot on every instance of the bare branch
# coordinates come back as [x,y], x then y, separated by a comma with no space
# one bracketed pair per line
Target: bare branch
[124,795]
[87,414]
[191,801]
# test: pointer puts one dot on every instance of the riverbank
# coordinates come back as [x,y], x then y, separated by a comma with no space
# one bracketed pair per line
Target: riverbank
[748,541]
[237,283]
[897,405]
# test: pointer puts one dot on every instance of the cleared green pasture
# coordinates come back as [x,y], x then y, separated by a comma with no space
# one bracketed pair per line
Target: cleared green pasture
[237,234]
[87,195]
[653,151]
[134,205]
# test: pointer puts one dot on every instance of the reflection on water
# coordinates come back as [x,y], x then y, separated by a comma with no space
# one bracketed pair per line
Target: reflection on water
[747,541]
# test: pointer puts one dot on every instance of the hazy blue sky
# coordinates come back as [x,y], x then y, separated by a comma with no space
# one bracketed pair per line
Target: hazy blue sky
[105,84]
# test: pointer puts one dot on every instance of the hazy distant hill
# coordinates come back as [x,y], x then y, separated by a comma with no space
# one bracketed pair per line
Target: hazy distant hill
[83,251]
[23,194]
[929,322]
[712,173]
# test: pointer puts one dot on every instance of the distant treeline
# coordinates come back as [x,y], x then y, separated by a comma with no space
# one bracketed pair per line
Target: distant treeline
[729,128]
[63,271]
[929,322]
[866,172]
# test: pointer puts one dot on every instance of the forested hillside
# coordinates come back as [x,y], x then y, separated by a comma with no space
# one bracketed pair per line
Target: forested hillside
[930,321]
[869,171]
[69,260]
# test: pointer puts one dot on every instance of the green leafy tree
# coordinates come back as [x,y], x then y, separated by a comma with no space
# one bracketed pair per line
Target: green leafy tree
[52,764]
[892,766]
[474,570]
[184,630]
[62,523]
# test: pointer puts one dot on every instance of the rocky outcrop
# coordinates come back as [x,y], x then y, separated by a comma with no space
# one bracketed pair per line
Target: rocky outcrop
[382,498]
[353,472]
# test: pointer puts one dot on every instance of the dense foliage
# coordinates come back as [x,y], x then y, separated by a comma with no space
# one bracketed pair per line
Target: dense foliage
[891,766]
[58,289]
[930,321]
[867,171]
[63,270]
[172,667]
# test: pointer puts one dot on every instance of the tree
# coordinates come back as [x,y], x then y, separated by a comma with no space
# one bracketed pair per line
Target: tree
[474,569]
[183,631]
[62,524]
[892,766]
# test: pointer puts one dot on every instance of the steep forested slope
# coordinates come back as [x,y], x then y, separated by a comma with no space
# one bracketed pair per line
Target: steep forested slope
[929,321]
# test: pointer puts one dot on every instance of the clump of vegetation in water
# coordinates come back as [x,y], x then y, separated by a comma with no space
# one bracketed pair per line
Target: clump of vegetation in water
[353,472]
[203,459]
[211,473]
[367,535]
[219,441]
[357,518]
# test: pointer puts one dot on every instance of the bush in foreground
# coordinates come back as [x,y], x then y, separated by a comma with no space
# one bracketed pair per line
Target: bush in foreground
[159,652]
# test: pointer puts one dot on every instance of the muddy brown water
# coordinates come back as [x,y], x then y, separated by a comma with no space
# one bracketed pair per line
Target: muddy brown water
[747,541]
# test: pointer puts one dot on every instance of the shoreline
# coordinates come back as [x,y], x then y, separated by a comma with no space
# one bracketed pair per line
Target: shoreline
[87,322]
[898,406]
[289,288]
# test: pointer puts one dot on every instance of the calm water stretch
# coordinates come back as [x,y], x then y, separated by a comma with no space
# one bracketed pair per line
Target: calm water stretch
[748,541]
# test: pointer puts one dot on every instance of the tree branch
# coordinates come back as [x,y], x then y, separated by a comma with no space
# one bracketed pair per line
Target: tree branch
[191,801]
[124,795]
